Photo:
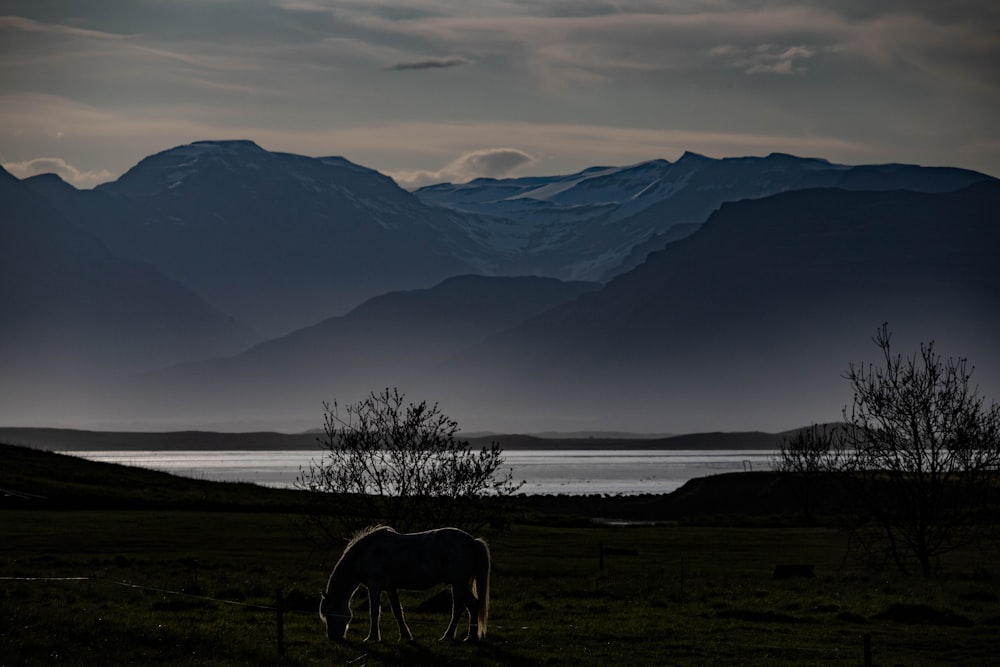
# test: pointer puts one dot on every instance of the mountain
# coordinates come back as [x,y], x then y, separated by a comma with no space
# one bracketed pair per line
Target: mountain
[746,321]
[586,225]
[279,240]
[72,310]
[51,187]
[397,339]
[752,320]
[283,241]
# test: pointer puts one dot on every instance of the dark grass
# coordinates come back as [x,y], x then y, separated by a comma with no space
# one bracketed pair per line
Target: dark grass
[169,585]
[692,596]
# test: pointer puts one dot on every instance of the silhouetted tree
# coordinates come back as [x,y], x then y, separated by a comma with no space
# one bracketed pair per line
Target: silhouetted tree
[807,458]
[921,451]
[808,450]
[402,464]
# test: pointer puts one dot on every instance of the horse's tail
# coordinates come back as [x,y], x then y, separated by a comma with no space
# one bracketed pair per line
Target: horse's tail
[481,580]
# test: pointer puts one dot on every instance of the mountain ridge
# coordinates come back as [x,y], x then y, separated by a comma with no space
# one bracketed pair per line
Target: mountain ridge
[713,312]
[396,339]
[279,240]
[645,201]
[283,240]
[720,317]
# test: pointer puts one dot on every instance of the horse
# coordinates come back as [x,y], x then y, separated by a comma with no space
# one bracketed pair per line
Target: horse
[381,559]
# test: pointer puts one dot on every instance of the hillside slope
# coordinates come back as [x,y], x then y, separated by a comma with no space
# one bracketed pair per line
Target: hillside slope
[66,302]
[752,320]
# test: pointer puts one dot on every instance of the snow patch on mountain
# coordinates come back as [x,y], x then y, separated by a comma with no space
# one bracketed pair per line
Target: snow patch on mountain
[583,225]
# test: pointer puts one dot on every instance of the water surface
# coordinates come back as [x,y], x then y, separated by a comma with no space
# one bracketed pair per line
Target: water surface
[571,472]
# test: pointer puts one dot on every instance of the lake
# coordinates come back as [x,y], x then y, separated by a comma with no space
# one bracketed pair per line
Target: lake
[570,472]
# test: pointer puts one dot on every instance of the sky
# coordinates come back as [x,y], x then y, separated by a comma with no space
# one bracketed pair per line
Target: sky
[433,90]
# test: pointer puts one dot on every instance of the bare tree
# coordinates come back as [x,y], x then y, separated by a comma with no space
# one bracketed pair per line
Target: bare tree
[808,457]
[389,461]
[808,450]
[923,449]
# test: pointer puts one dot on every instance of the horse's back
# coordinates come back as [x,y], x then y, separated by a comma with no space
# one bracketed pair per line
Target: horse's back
[419,560]
[438,538]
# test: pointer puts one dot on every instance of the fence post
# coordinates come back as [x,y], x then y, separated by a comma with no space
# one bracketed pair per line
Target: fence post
[279,605]
[868,650]
[682,578]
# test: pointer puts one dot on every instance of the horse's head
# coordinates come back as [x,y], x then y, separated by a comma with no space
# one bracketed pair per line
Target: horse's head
[335,617]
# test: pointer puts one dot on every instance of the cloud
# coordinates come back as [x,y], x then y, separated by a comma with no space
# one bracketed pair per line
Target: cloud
[493,162]
[766,58]
[594,45]
[60,167]
[578,83]
[430,63]
[489,162]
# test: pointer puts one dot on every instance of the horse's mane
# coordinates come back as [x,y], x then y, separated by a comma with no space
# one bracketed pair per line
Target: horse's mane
[348,558]
[363,533]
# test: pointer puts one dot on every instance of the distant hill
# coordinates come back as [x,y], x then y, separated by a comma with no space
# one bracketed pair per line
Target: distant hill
[69,306]
[755,440]
[397,339]
[76,440]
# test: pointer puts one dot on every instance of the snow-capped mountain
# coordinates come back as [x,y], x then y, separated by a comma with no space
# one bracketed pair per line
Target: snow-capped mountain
[280,241]
[798,257]
[755,317]
[617,191]
[586,225]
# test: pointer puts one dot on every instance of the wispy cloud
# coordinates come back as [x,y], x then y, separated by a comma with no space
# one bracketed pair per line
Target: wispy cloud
[572,83]
[766,58]
[430,63]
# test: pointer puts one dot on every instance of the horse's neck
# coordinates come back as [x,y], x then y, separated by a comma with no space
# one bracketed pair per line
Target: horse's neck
[345,577]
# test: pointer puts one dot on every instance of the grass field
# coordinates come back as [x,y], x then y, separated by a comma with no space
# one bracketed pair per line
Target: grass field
[188,587]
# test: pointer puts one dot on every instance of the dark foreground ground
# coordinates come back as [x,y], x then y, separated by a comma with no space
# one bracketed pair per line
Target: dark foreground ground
[108,565]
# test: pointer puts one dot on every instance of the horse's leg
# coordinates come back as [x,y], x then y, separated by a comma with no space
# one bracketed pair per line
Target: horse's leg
[397,611]
[458,593]
[374,611]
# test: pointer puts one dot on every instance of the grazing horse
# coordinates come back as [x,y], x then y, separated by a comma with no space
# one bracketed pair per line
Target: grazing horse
[383,560]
